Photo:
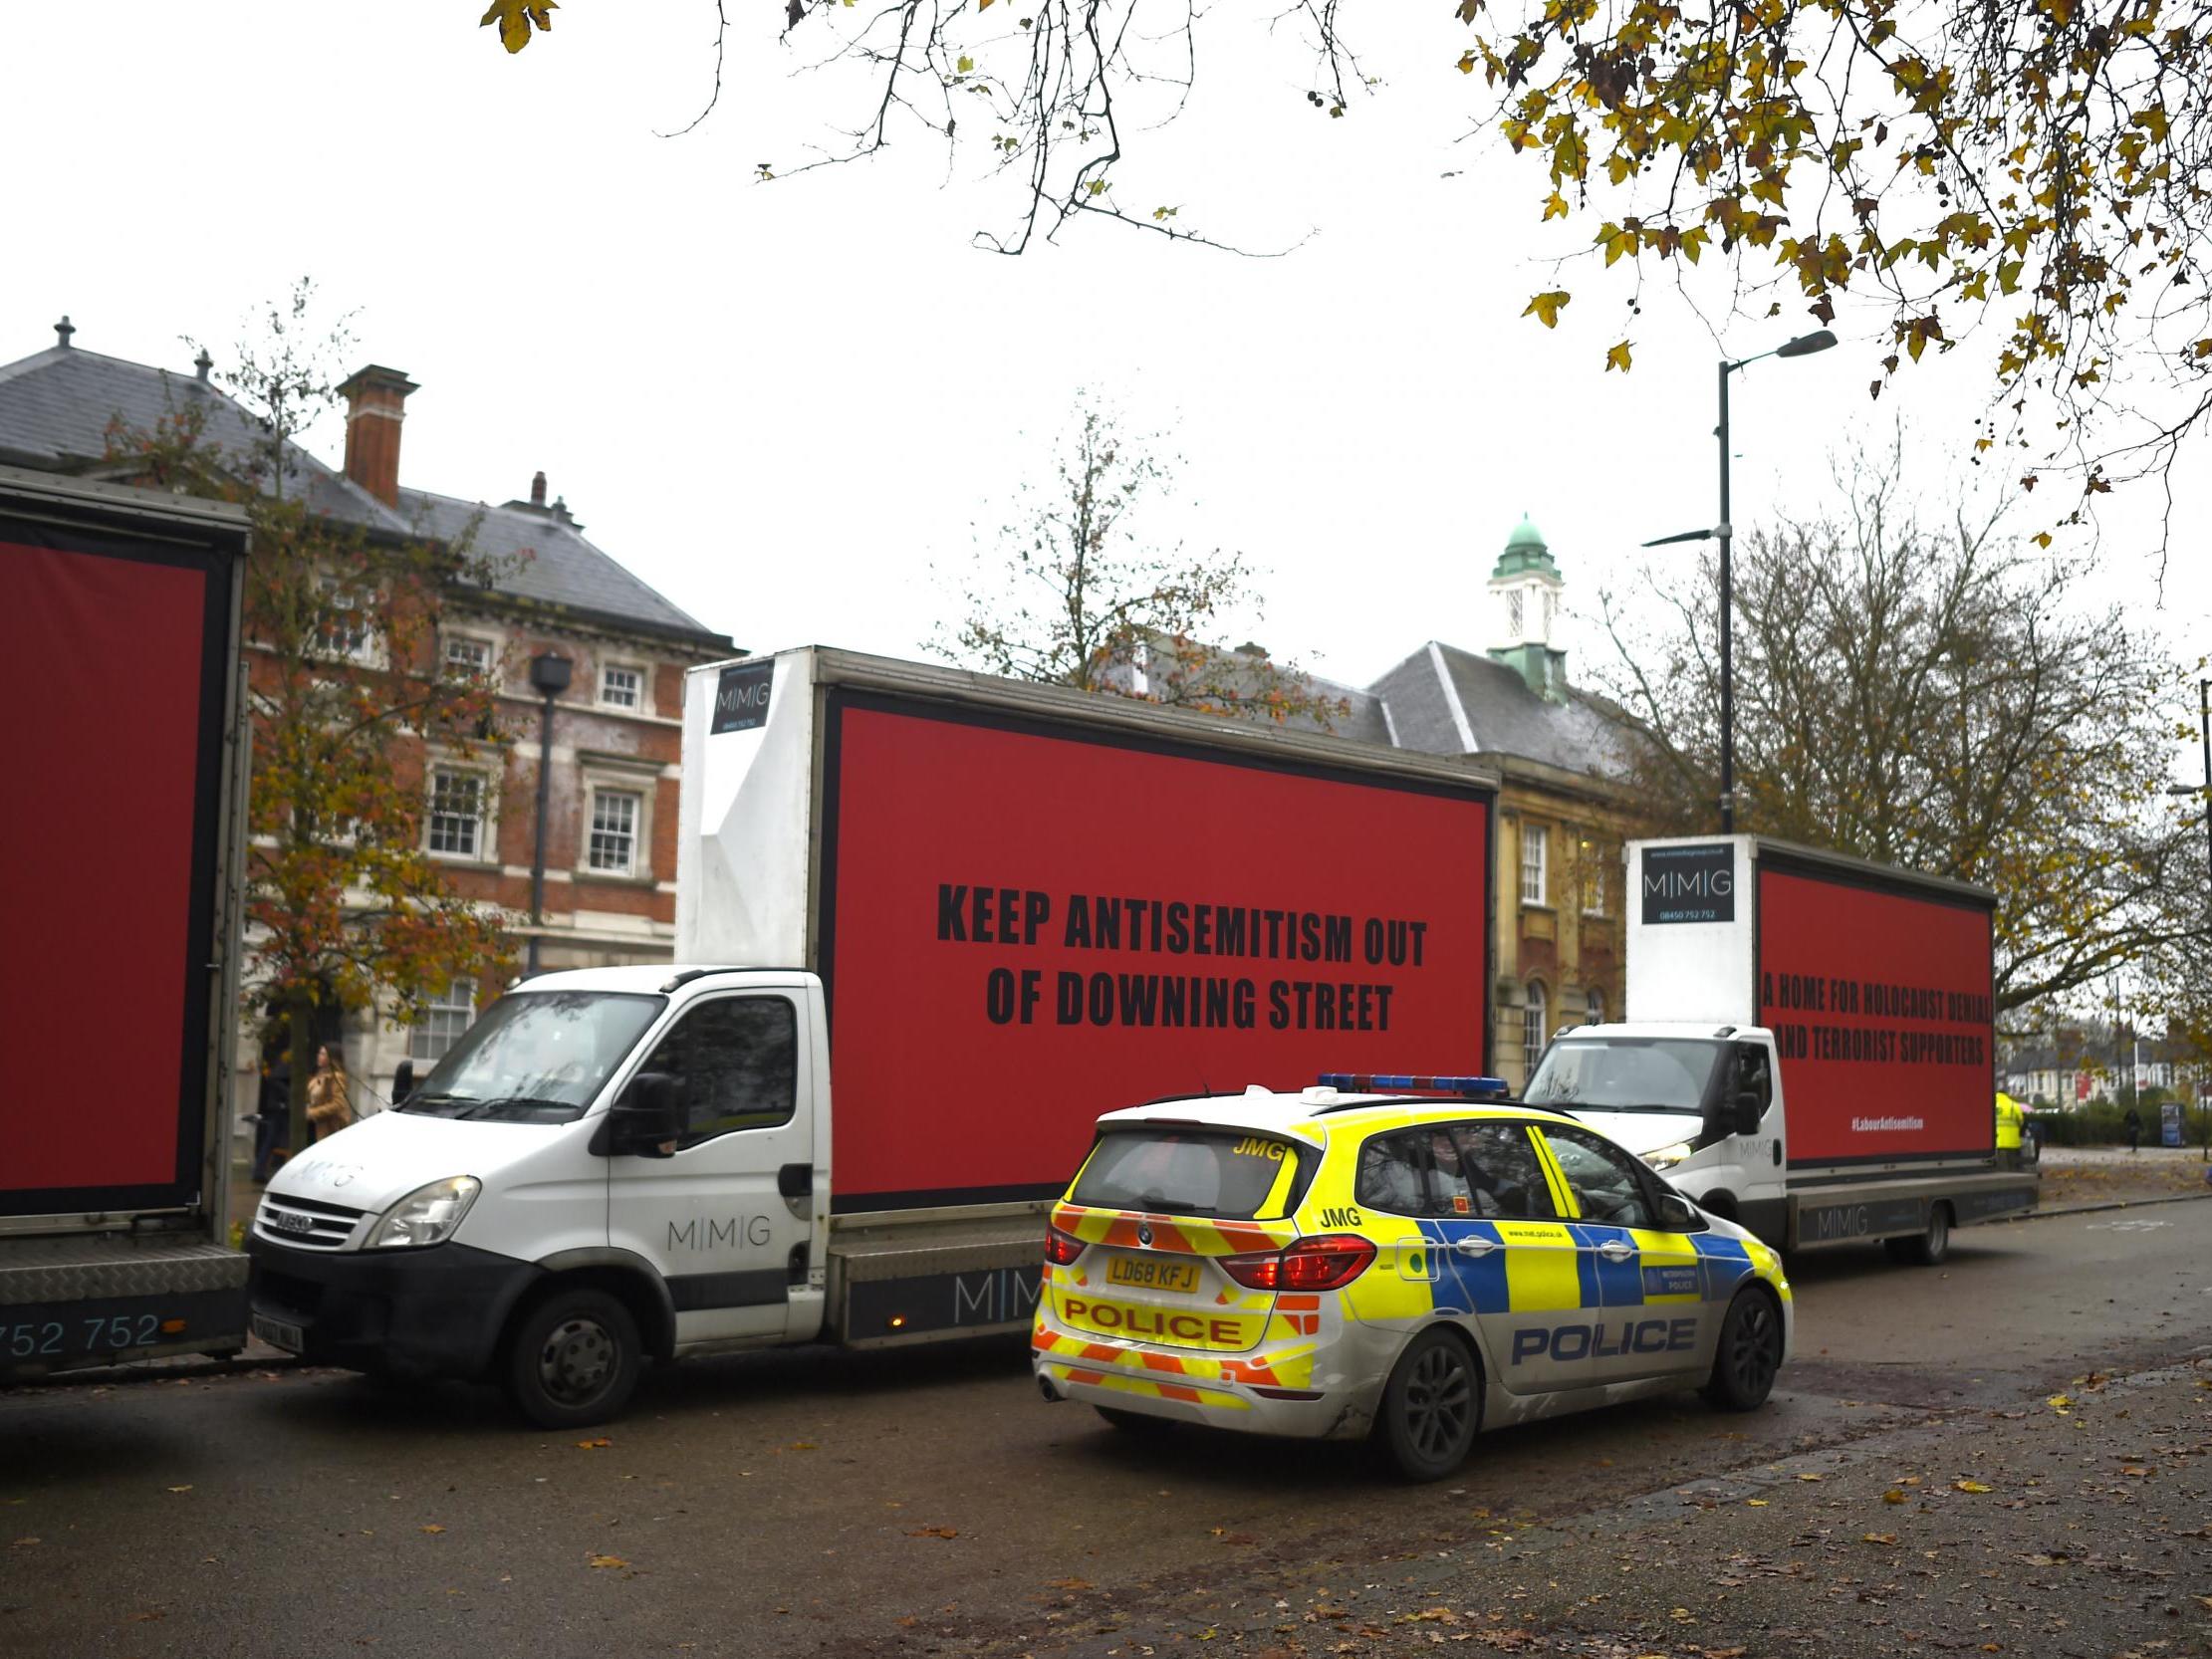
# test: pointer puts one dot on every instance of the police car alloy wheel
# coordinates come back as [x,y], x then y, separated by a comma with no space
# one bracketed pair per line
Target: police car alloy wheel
[1432,1407]
[1749,1356]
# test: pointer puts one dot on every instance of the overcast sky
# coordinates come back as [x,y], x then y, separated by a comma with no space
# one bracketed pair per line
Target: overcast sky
[784,404]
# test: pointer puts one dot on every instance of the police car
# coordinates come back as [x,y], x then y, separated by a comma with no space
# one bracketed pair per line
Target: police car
[1348,1261]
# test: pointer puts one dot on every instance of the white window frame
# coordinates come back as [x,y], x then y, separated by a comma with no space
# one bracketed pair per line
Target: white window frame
[1535,1012]
[478,641]
[602,794]
[436,1031]
[1534,872]
[485,822]
[356,644]
[601,774]
[1594,881]
[645,683]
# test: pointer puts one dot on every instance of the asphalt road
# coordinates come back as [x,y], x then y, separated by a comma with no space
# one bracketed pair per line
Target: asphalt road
[822,1503]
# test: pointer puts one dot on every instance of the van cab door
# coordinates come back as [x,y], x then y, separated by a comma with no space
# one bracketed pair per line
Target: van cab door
[727,1213]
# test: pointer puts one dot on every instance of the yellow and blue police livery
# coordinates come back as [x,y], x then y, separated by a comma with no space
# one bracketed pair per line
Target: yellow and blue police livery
[1357,1258]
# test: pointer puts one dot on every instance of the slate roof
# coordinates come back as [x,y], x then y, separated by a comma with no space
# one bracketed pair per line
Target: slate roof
[56,405]
[1443,700]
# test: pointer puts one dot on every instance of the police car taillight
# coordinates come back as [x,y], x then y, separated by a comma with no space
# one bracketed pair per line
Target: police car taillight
[1061,1248]
[1317,1264]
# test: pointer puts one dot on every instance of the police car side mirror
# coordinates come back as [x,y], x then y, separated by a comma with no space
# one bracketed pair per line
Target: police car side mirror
[1678,1215]
[1748,1113]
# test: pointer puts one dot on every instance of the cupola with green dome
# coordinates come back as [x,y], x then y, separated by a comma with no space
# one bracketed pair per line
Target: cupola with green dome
[1525,588]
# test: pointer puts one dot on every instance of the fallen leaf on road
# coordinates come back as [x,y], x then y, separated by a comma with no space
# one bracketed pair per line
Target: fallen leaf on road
[1809,1476]
[1756,1503]
[147,1618]
[2058,1403]
[432,1526]
[2135,1468]
[1895,1494]
[1068,1583]
[592,1445]
[802,1445]
[1880,1537]
[180,1489]
[23,1544]
[607,1561]
[934,1532]
[1969,1486]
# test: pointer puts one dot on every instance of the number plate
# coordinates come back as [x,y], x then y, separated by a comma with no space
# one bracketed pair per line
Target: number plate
[278,1333]
[1153,1273]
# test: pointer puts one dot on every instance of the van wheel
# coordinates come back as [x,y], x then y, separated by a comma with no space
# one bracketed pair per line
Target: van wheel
[1131,1422]
[1749,1353]
[1927,1249]
[1431,1406]
[573,1360]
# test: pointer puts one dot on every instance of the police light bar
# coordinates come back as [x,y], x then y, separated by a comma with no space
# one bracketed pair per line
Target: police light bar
[1378,1082]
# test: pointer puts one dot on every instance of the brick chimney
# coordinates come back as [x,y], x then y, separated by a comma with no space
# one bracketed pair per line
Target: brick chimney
[376,404]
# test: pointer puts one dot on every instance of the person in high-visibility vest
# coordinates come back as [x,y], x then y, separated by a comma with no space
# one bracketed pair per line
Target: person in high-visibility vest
[2010,1120]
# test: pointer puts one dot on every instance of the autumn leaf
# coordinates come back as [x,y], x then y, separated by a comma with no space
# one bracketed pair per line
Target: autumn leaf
[432,1526]
[1618,358]
[515,18]
[964,64]
[1878,1538]
[592,1445]
[802,1445]
[604,1562]
[1894,1496]
[934,1532]
[180,1489]
[1970,1485]
[1545,307]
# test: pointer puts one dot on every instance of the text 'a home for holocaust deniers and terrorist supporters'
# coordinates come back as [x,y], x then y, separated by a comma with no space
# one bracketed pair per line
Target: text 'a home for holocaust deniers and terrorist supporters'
[1860,1001]
[1217,937]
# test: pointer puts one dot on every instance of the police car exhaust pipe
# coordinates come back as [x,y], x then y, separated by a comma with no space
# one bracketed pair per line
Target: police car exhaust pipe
[1053,1396]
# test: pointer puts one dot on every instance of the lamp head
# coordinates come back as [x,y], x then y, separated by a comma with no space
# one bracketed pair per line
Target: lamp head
[1806,345]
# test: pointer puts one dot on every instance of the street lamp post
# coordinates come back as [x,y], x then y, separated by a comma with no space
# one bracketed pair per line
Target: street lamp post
[1724,531]
[549,677]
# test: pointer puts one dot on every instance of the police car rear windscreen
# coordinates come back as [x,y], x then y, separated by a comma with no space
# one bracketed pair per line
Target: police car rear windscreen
[1186,1172]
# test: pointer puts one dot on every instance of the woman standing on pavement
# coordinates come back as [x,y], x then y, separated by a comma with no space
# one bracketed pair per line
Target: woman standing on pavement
[328,1107]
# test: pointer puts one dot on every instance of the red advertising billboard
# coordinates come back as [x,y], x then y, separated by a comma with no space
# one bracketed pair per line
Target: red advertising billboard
[1028,926]
[104,871]
[1880,1001]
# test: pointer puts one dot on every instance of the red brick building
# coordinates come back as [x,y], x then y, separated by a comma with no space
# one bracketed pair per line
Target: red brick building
[610,822]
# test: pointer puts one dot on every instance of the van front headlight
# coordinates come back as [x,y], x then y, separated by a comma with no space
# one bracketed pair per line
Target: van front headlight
[1666,1157]
[426,1215]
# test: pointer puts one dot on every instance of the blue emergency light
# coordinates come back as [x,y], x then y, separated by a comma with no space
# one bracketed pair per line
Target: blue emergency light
[1377,1083]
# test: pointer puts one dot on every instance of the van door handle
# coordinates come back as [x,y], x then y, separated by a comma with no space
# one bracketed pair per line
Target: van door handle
[1612,1250]
[795,1180]
[1476,1246]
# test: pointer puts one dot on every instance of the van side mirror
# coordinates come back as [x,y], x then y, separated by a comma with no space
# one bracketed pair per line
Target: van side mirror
[1749,1111]
[648,1115]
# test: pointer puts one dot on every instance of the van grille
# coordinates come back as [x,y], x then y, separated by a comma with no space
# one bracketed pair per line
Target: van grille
[304,1223]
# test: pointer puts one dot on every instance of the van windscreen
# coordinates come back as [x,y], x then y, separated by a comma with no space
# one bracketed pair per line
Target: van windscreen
[1192,1172]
